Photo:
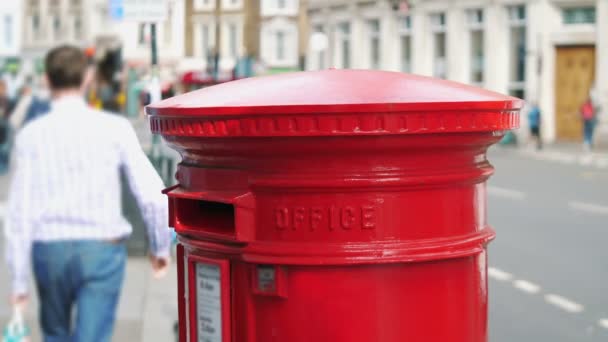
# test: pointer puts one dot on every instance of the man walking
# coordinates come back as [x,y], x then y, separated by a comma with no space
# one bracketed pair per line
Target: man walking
[64,212]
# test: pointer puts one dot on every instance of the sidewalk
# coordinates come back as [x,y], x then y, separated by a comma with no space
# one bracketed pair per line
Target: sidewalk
[147,308]
[563,153]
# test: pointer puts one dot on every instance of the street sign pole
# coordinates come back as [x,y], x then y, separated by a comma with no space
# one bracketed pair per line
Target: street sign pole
[154,90]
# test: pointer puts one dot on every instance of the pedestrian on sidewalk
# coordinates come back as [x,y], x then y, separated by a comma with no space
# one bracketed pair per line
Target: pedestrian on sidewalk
[534,123]
[64,215]
[588,115]
[6,107]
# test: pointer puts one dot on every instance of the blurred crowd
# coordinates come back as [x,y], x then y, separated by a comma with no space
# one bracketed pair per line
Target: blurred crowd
[105,88]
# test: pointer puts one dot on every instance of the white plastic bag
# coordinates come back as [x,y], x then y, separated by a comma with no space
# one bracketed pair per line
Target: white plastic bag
[16,330]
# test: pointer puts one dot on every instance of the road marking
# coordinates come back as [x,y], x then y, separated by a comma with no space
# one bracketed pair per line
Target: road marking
[564,303]
[589,207]
[506,193]
[586,160]
[499,275]
[526,286]
[603,323]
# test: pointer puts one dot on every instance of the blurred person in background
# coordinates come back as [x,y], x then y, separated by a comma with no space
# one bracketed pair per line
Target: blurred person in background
[589,117]
[534,115]
[5,101]
[64,212]
[6,107]
[24,100]
[29,106]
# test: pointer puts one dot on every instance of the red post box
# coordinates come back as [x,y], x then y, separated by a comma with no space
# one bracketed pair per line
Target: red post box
[336,205]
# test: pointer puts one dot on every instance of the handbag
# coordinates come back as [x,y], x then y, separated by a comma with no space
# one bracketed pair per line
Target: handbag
[16,330]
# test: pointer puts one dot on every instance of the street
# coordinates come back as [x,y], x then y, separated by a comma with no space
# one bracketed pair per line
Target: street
[549,262]
[548,265]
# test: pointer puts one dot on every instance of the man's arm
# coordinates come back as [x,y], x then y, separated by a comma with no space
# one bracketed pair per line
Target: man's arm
[146,185]
[18,227]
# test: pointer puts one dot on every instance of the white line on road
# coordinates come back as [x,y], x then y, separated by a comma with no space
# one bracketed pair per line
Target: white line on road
[564,303]
[603,323]
[526,286]
[497,274]
[589,207]
[506,193]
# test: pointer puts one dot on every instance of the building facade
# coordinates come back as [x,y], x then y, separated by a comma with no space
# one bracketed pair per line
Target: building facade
[552,52]
[135,37]
[10,43]
[90,23]
[47,23]
[282,34]
[10,28]
[226,29]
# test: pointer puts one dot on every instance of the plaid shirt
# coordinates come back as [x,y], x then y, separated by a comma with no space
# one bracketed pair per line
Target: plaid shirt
[67,186]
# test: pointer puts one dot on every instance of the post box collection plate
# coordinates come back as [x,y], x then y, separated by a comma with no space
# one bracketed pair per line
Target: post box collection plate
[336,205]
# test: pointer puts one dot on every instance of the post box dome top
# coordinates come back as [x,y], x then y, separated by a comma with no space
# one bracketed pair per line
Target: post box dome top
[333,91]
[318,94]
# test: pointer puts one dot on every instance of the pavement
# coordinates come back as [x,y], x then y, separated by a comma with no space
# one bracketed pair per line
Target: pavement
[146,312]
[569,154]
[548,270]
[148,307]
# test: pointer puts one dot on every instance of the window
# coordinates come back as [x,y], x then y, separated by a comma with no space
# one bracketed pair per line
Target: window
[518,53]
[204,5]
[281,4]
[56,26]
[344,41]
[143,33]
[405,42]
[8,30]
[321,53]
[77,28]
[578,15]
[36,26]
[168,25]
[475,22]
[231,4]
[280,45]
[477,57]
[439,45]
[233,40]
[374,43]
[517,14]
[205,40]
[517,47]
[475,18]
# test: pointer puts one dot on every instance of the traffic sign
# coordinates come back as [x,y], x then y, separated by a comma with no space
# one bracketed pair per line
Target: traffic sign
[138,10]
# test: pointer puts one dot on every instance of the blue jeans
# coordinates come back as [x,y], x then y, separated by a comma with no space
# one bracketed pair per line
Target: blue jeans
[83,275]
[588,127]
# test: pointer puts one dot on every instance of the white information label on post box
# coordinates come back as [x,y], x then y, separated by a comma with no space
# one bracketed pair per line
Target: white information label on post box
[209,302]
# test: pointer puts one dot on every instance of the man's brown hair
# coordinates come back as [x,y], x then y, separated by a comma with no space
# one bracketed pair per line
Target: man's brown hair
[65,67]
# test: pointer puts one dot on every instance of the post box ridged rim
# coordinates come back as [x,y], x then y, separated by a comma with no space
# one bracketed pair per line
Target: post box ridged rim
[398,123]
[334,102]
[347,253]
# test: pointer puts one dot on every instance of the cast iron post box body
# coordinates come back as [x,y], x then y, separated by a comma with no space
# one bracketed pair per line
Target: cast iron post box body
[336,205]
